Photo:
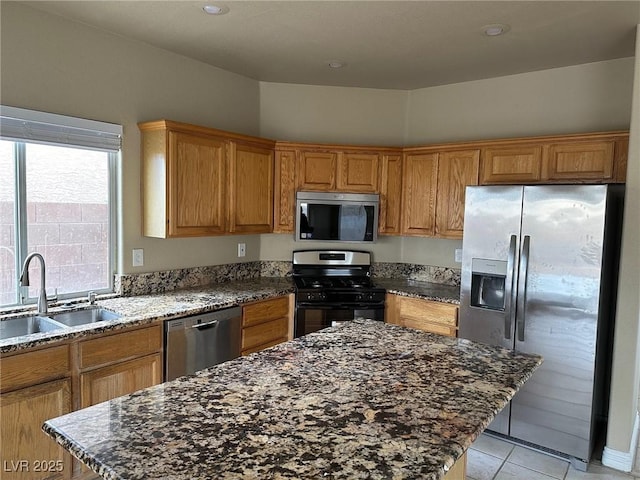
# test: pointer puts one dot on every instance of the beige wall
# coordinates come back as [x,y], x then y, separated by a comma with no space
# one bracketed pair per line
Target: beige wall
[57,66]
[583,98]
[308,113]
[626,361]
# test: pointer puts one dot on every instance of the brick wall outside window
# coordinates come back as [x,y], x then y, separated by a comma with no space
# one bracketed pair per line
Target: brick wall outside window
[72,238]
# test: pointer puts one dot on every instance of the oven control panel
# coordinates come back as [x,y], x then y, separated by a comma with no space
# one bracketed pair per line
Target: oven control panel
[311,296]
[340,296]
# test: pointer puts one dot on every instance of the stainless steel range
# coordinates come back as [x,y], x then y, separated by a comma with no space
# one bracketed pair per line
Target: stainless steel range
[334,286]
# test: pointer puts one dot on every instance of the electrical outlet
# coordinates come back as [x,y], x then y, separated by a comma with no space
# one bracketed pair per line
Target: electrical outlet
[242,249]
[457,256]
[138,257]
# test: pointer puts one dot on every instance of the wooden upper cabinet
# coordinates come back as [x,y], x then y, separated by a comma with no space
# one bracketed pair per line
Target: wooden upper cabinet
[197,185]
[390,195]
[251,189]
[620,159]
[357,172]
[316,170]
[284,191]
[419,174]
[579,161]
[199,181]
[590,158]
[511,164]
[183,181]
[456,170]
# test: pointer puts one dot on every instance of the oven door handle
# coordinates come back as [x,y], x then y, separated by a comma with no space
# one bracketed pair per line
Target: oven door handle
[342,306]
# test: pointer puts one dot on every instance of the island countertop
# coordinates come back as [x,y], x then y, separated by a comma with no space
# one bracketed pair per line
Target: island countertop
[362,399]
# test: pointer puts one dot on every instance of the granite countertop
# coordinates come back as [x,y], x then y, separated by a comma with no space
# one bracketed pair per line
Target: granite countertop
[147,309]
[363,399]
[418,289]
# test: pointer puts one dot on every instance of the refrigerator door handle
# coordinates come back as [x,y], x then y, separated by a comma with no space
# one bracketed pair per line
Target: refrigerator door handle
[522,287]
[510,293]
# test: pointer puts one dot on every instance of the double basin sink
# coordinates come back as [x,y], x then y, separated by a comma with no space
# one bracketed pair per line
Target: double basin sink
[17,327]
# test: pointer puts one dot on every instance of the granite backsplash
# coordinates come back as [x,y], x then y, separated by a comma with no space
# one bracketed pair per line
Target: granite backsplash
[158,282]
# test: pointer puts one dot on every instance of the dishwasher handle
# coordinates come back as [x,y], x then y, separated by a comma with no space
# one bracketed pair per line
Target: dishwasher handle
[204,326]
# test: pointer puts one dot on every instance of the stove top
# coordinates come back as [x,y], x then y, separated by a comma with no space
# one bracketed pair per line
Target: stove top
[333,282]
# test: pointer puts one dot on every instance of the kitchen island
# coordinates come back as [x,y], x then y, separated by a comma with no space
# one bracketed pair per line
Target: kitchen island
[363,399]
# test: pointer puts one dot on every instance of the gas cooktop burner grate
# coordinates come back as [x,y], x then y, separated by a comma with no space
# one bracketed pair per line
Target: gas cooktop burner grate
[329,282]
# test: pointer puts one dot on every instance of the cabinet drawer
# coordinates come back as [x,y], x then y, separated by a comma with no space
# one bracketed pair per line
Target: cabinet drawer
[264,311]
[265,333]
[119,347]
[426,311]
[34,367]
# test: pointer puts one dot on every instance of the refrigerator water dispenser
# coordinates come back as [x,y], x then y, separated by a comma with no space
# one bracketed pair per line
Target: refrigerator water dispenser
[488,283]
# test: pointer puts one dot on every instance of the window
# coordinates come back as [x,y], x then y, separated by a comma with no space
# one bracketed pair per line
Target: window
[57,198]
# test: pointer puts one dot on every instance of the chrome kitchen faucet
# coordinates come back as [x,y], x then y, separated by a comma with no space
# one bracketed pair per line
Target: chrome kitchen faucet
[24,281]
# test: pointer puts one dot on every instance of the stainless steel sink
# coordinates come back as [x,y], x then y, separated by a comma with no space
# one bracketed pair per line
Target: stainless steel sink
[16,327]
[73,318]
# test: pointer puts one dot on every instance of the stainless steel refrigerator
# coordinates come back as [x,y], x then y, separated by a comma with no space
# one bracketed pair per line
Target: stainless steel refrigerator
[539,272]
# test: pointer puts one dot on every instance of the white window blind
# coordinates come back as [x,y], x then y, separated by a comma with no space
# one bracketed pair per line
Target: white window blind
[19,124]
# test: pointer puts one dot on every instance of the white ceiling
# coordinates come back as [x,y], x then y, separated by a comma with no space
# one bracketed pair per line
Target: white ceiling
[385,44]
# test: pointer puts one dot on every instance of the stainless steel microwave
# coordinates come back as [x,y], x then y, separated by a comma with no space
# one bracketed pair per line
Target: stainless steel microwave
[336,217]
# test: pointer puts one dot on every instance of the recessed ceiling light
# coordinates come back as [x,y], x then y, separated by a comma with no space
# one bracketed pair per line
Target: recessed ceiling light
[335,64]
[495,29]
[215,10]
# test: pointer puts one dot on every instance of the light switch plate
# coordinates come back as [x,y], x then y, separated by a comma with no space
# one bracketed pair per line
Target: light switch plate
[457,257]
[138,257]
[242,249]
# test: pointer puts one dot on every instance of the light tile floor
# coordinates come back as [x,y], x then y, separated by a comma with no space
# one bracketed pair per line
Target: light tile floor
[491,458]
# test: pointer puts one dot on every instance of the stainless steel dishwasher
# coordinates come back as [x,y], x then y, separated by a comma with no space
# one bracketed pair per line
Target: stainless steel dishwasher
[200,341]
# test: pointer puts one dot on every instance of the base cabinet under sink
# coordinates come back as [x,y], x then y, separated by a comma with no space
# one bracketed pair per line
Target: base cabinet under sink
[45,383]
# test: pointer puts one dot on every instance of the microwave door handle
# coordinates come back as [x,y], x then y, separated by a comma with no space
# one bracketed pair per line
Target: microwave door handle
[510,291]
[522,287]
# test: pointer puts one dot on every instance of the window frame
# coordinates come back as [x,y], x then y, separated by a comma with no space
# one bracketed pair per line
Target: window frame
[20,197]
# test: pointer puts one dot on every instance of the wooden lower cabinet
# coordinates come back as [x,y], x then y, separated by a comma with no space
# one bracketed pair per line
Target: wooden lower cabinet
[45,383]
[427,315]
[120,379]
[116,365]
[266,323]
[459,469]
[27,452]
